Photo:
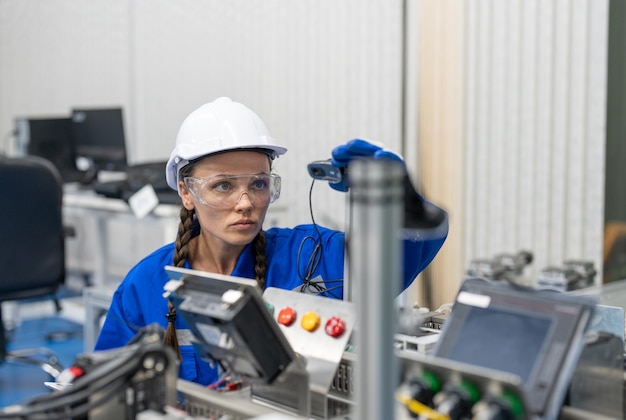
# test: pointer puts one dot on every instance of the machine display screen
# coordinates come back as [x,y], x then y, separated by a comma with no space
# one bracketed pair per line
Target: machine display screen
[536,335]
[518,338]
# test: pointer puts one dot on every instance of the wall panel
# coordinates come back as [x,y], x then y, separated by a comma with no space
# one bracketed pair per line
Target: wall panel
[535,137]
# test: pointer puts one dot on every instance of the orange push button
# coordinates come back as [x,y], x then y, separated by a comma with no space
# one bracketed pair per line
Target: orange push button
[286,316]
[310,321]
[335,327]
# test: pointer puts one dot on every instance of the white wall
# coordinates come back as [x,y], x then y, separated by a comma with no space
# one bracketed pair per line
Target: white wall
[319,72]
[512,121]
[536,129]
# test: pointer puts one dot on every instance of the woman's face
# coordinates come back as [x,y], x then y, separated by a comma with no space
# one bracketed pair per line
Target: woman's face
[240,221]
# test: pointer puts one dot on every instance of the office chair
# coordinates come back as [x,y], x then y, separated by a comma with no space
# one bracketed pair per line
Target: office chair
[32,244]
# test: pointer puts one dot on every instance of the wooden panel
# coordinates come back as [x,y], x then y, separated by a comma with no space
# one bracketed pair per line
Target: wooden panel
[533,96]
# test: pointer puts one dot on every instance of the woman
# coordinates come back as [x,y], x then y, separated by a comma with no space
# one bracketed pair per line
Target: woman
[222,169]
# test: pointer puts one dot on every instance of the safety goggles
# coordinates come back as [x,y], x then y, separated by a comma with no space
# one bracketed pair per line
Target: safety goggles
[225,191]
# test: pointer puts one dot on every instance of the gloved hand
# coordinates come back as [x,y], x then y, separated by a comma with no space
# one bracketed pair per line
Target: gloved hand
[357,148]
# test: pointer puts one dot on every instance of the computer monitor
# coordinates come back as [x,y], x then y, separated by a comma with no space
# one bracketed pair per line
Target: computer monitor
[99,139]
[51,139]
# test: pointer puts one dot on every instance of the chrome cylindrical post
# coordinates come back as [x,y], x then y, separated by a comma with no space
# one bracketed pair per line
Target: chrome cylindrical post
[375,264]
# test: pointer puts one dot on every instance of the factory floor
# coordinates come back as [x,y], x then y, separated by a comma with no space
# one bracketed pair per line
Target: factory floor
[38,324]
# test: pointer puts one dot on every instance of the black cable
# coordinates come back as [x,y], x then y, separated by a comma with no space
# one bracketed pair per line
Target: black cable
[118,368]
[112,374]
[83,405]
[315,257]
[317,286]
[313,262]
[46,407]
[311,211]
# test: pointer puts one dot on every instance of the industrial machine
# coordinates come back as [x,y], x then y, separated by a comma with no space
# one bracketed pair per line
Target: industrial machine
[500,351]
[116,384]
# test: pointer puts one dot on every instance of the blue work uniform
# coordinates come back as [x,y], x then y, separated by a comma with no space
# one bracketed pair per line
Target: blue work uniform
[139,301]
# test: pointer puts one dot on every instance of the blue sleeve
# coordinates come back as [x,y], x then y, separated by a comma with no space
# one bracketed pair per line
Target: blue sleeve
[420,248]
[138,301]
[120,325]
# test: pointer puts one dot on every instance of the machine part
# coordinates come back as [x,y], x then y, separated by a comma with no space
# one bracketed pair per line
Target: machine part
[286,316]
[342,385]
[535,335]
[561,279]
[503,408]
[324,170]
[424,344]
[116,384]
[597,383]
[503,267]
[324,353]
[218,126]
[486,269]
[456,400]
[423,388]
[438,321]
[585,269]
[463,386]
[240,334]
[198,402]
[411,321]
[515,263]
[335,327]
[310,321]
[375,262]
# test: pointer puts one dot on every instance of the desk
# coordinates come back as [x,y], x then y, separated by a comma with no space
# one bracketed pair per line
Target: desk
[81,204]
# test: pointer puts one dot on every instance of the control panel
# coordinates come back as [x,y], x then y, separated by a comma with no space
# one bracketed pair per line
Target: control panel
[318,329]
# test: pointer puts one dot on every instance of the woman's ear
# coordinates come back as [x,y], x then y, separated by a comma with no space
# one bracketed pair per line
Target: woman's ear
[185,195]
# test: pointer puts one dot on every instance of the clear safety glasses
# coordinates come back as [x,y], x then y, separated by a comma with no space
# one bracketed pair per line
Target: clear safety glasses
[225,191]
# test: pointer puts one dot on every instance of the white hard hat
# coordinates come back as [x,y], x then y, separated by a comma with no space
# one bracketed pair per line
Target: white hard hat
[218,126]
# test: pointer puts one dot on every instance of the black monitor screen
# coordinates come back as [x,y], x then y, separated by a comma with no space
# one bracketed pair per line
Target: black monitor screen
[519,339]
[51,139]
[99,137]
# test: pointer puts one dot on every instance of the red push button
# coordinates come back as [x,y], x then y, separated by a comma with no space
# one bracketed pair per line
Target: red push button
[335,327]
[286,316]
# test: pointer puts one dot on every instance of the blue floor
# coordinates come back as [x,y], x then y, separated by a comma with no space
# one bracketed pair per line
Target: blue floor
[20,382]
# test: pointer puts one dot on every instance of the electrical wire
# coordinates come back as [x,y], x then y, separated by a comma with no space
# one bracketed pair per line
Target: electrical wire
[80,408]
[112,374]
[308,283]
[55,404]
[420,409]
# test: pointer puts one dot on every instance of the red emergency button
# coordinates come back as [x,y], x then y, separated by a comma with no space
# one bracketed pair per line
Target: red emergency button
[286,316]
[335,327]
[310,321]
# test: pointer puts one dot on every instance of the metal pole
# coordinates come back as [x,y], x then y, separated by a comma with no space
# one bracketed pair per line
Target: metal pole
[375,266]
[347,281]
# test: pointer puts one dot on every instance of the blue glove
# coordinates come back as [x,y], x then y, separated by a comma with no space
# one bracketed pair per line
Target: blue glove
[357,148]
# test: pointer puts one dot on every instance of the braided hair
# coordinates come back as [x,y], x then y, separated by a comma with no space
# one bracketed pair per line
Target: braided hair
[181,253]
